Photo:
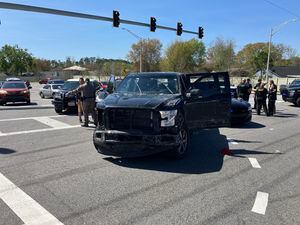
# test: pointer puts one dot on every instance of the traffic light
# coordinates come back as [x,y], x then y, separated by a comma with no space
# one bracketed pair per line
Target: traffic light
[152,24]
[116,18]
[179,29]
[201,32]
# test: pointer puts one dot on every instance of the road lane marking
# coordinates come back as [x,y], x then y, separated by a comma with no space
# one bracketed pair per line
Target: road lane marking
[37,131]
[261,202]
[277,152]
[271,129]
[30,118]
[51,122]
[26,208]
[231,141]
[254,163]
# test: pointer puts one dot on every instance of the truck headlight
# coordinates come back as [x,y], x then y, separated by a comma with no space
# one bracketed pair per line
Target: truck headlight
[291,93]
[168,118]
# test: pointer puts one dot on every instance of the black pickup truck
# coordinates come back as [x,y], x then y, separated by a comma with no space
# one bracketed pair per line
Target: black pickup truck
[155,112]
[292,93]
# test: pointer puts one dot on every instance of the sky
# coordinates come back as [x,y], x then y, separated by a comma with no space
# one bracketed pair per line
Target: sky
[58,37]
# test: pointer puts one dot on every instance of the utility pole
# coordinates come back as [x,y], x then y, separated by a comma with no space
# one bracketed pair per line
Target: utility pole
[273,31]
[141,49]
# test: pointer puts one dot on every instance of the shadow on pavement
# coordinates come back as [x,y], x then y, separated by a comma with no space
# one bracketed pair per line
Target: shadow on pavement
[250,125]
[6,151]
[241,152]
[20,104]
[285,115]
[204,156]
[244,141]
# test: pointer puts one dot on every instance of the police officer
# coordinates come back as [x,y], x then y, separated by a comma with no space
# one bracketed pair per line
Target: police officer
[79,101]
[261,98]
[272,97]
[256,87]
[248,90]
[241,88]
[88,96]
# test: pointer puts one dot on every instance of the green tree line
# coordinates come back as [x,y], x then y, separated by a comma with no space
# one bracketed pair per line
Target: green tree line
[179,56]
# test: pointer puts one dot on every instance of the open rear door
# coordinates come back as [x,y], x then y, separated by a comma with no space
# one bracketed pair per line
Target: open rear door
[208,100]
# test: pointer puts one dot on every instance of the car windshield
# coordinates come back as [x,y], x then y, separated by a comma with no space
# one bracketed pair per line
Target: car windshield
[70,85]
[56,86]
[12,85]
[153,84]
[295,83]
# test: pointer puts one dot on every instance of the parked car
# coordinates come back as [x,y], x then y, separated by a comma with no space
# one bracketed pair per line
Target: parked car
[293,92]
[14,91]
[56,81]
[63,101]
[155,112]
[49,90]
[44,81]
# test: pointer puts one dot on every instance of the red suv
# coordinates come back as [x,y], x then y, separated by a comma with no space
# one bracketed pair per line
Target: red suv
[14,91]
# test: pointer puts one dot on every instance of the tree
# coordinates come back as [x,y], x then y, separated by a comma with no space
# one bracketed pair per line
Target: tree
[151,54]
[15,60]
[221,54]
[253,57]
[39,65]
[184,56]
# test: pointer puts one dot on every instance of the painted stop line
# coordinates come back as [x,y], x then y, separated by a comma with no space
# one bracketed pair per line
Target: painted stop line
[26,208]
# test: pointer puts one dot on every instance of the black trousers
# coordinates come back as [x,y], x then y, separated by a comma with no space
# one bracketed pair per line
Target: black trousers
[271,106]
[261,104]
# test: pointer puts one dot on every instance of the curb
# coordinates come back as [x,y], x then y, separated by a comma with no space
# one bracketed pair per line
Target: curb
[26,107]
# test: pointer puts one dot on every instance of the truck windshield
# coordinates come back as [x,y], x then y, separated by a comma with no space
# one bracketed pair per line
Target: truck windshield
[153,84]
[70,85]
[295,83]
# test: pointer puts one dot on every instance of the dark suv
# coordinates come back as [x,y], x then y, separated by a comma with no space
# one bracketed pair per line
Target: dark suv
[154,112]
[293,92]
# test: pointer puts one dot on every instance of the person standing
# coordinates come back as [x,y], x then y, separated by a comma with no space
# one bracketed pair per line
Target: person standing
[79,101]
[241,89]
[272,97]
[261,98]
[88,95]
[256,87]
[248,90]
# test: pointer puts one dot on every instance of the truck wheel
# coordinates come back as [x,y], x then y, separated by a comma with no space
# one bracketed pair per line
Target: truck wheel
[58,110]
[42,95]
[298,102]
[181,150]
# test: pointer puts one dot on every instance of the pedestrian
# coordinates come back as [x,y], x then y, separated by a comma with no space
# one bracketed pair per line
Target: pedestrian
[248,89]
[261,98]
[272,97]
[241,89]
[88,95]
[256,87]
[79,101]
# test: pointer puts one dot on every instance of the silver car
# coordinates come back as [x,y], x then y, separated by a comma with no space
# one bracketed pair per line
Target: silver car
[49,90]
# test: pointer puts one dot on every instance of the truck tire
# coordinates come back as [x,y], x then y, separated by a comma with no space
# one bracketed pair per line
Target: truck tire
[58,110]
[181,150]
[298,102]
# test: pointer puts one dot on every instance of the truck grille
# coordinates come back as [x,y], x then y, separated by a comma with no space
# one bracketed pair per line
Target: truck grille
[130,119]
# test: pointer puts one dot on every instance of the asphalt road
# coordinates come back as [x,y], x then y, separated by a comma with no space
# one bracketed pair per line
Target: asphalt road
[50,171]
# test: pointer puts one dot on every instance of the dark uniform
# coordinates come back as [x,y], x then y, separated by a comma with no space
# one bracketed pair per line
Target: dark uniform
[88,96]
[242,91]
[248,88]
[272,99]
[255,94]
[261,98]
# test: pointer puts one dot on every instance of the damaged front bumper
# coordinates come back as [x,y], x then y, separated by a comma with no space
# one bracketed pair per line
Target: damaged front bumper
[132,144]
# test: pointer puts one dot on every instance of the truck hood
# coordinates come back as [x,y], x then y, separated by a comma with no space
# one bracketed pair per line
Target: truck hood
[138,101]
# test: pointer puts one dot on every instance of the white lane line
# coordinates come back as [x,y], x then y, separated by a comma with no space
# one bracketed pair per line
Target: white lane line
[51,122]
[261,202]
[254,163]
[26,208]
[231,141]
[30,118]
[271,129]
[36,131]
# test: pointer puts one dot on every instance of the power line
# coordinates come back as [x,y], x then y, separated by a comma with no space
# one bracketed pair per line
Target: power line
[282,8]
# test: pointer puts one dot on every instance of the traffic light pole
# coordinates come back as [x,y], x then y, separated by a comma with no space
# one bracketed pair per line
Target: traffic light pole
[28,8]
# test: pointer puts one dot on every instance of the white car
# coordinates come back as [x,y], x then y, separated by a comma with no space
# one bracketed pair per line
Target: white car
[49,90]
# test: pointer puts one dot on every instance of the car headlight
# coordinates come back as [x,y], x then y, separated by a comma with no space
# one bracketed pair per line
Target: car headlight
[3,92]
[291,93]
[167,118]
[25,92]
